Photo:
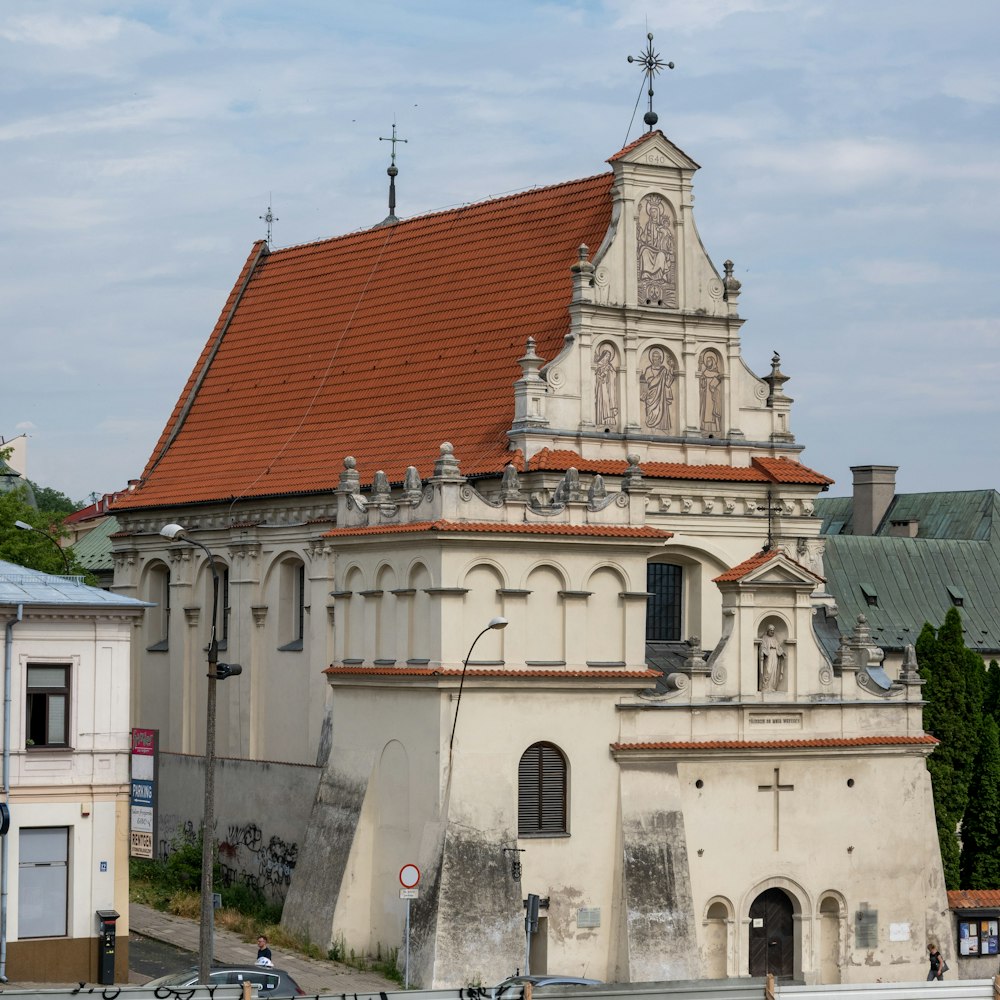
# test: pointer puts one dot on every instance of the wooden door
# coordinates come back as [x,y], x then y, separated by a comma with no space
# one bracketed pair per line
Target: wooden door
[772,935]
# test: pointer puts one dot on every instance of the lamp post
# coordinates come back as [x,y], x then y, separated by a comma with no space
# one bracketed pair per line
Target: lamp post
[24,526]
[216,671]
[493,623]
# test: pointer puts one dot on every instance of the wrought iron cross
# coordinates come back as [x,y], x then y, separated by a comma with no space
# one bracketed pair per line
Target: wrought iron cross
[393,139]
[651,64]
[270,218]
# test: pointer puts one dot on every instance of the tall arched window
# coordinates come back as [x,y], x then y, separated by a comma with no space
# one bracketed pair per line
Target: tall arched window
[663,612]
[541,792]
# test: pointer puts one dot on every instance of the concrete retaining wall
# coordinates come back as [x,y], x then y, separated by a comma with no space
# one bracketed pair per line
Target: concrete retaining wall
[261,813]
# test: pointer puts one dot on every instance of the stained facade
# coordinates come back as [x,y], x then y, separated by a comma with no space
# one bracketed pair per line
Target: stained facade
[673,742]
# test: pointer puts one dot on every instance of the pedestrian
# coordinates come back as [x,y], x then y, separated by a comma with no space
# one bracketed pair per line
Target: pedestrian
[938,965]
[263,949]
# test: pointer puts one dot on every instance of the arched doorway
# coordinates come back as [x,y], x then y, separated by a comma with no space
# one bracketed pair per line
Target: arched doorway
[772,935]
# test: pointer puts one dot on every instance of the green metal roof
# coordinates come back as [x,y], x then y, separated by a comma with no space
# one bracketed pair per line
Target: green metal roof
[967,514]
[900,583]
[94,549]
[913,581]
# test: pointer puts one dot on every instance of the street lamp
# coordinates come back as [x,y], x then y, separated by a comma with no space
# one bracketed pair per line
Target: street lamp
[498,623]
[24,526]
[216,671]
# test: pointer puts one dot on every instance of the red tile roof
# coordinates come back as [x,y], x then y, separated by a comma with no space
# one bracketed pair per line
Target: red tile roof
[856,741]
[638,142]
[974,899]
[759,559]
[762,470]
[596,530]
[380,344]
[626,676]
[747,566]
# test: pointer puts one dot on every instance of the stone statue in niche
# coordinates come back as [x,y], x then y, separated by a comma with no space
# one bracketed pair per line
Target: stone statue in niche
[771,657]
[606,388]
[656,253]
[656,390]
[710,393]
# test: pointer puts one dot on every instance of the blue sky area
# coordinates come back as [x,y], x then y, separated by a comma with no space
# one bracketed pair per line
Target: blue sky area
[850,154]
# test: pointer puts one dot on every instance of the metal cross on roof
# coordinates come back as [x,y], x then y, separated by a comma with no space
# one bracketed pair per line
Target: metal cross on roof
[392,170]
[651,64]
[394,139]
[270,218]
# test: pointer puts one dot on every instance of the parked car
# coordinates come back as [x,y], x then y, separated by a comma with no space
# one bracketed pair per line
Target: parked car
[270,982]
[513,986]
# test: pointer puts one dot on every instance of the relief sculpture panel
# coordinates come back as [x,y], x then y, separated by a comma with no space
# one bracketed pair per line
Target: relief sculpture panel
[606,408]
[656,390]
[710,393]
[656,252]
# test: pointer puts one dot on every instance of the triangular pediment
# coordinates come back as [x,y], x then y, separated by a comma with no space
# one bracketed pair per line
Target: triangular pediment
[769,569]
[656,150]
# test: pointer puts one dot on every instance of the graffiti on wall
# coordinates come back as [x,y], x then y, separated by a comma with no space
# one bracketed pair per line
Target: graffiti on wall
[245,858]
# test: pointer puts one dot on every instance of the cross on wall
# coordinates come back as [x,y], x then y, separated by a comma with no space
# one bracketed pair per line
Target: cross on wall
[776,787]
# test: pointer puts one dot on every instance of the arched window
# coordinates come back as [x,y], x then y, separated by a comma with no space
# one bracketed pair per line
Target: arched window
[291,605]
[663,612]
[158,616]
[541,792]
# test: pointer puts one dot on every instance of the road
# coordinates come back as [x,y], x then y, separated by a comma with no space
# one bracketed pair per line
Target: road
[148,959]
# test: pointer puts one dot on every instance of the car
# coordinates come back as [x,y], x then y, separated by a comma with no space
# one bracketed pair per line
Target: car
[513,986]
[270,982]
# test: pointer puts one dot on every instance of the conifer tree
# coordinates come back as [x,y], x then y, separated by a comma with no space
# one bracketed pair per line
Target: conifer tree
[980,863]
[952,713]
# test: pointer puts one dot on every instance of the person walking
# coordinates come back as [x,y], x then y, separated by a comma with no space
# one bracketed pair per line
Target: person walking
[263,950]
[938,966]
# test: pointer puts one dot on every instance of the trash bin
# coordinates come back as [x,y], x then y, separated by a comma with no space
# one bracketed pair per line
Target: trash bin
[106,946]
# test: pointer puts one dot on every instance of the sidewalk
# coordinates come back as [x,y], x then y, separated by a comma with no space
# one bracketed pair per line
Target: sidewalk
[312,975]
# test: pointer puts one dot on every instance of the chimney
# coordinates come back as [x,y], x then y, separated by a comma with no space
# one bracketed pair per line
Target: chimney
[874,488]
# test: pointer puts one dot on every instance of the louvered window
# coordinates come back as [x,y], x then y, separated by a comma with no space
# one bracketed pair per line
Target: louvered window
[541,803]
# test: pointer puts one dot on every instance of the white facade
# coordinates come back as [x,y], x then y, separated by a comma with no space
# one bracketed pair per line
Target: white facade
[68,790]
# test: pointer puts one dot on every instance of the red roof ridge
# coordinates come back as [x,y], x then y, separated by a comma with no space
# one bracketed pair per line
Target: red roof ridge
[439,212]
[827,742]
[959,899]
[759,559]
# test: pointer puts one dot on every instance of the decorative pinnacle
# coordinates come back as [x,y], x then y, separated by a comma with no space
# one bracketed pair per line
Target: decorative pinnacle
[392,170]
[270,218]
[651,64]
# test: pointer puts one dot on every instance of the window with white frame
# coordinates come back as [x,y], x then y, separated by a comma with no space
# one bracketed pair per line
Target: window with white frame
[42,882]
[46,721]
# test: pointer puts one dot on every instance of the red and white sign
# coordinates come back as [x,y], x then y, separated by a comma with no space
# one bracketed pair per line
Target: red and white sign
[409,876]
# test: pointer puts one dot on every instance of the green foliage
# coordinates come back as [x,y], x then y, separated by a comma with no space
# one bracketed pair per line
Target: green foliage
[957,689]
[980,867]
[250,903]
[29,548]
[51,501]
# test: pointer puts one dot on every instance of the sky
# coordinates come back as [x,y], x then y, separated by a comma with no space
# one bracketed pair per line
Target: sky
[850,155]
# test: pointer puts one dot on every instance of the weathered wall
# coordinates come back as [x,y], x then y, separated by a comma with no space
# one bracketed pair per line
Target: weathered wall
[261,813]
[480,919]
[333,819]
[662,942]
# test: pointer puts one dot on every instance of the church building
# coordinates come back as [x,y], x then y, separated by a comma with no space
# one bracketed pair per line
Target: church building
[513,543]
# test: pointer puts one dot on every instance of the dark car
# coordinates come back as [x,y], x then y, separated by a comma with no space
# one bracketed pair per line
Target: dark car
[513,986]
[270,982]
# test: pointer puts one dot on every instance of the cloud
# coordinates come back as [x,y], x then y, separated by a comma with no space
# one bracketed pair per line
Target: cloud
[63,32]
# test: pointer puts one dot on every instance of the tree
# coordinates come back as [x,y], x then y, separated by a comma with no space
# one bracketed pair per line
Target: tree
[51,501]
[980,864]
[953,713]
[29,548]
